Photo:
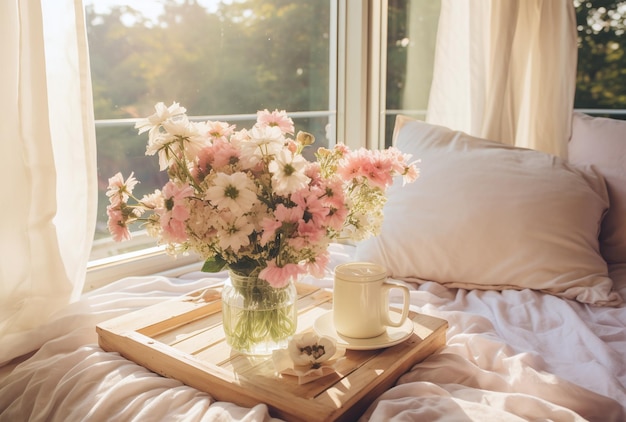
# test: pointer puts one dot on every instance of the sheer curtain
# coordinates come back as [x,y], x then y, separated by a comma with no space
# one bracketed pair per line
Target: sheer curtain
[506,71]
[49,169]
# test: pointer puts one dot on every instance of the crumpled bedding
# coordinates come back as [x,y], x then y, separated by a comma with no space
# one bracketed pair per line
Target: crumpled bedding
[510,356]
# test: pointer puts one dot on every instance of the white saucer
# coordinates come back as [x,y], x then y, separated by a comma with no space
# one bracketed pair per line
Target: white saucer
[324,326]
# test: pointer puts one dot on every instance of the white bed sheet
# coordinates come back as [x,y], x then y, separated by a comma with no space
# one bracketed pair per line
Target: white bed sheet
[510,356]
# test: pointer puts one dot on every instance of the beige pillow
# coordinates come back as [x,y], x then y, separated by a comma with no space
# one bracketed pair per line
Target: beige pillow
[601,142]
[484,215]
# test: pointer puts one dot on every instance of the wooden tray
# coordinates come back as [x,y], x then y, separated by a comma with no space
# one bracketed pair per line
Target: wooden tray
[184,339]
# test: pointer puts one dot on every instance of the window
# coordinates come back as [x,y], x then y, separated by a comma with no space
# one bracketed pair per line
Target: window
[601,79]
[410,50]
[221,60]
[411,37]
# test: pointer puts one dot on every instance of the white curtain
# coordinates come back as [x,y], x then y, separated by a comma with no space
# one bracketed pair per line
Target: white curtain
[49,194]
[506,71]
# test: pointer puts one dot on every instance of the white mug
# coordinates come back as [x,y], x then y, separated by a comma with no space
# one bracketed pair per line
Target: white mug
[361,300]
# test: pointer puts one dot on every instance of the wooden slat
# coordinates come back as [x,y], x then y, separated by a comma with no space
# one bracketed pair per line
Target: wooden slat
[171,313]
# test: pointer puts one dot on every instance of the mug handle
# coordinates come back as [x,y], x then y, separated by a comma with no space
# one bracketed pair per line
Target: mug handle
[387,286]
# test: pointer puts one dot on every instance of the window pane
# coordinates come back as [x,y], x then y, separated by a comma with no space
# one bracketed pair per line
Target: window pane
[601,76]
[411,36]
[224,59]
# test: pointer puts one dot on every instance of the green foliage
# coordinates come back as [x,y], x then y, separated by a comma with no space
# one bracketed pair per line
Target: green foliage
[246,56]
[601,78]
[411,34]
[214,264]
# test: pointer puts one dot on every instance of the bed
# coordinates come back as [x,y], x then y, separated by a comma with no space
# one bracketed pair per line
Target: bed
[522,253]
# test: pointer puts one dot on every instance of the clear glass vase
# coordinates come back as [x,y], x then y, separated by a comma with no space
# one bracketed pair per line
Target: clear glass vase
[257,317]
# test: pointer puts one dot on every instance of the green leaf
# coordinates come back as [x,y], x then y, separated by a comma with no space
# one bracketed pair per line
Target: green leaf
[246,266]
[214,264]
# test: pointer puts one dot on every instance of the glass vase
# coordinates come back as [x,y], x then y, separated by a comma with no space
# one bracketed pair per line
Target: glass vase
[257,317]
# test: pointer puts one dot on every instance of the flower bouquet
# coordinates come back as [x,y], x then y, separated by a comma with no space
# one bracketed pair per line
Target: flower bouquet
[248,201]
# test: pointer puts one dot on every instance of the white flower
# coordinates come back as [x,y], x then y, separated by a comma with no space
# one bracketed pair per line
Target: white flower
[190,141]
[234,231]
[235,192]
[153,200]
[288,172]
[311,350]
[158,143]
[180,135]
[263,142]
[162,114]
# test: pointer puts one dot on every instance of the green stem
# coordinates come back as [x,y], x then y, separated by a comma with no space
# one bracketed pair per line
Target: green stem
[263,315]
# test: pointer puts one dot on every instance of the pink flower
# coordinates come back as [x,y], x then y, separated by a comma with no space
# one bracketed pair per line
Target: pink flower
[309,201]
[275,118]
[398,158]
[333,194]
[218,130]
[119,190]
[337,209]
[317,266]
[351,167]
[280,276]
[269,226]
[175,213]
[225,154]
[288,215]
[174,230]
[292,146]
[217,156]
[379,171]
[410,174]
[307,234]
[342,149]
[117,224]
[283,217]
[402,166]
[313,172]
[310,231]
[372,165]
[204,164]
